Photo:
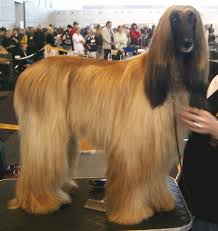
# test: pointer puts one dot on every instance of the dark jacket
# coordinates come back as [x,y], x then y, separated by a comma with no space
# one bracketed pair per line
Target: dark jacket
[91,43]
[39,39]
[50,39]
[200,166]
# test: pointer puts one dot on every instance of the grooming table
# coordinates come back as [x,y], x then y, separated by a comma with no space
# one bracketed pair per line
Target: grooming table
[76,217]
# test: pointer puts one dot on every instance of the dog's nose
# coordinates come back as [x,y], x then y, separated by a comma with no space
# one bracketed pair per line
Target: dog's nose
[188,43]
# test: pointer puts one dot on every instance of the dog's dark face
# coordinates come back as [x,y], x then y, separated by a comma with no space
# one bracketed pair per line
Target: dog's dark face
[178,57]
[183,31]
[183,26]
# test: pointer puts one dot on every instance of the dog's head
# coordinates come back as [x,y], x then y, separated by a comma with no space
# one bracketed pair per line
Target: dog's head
[177,57]
[183,26]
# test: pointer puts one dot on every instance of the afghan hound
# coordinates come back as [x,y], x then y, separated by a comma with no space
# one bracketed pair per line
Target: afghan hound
[124,107]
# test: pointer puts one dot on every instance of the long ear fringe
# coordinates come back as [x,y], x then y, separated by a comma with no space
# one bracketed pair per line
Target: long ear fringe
[157,76]
[157,89]
[200,67]
[202,49]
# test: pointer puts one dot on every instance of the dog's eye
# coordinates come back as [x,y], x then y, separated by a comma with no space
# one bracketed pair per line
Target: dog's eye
[175,18]
[191,18]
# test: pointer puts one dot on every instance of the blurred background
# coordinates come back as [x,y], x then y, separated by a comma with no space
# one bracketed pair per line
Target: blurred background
[60,12]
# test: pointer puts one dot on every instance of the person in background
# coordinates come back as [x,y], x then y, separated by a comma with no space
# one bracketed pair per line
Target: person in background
[200,163]
[67,39]
[39,38]
[2,34]
[135,35]
[24,38]
[108,39]
[30,42]
[78,42]
[28,31]
[10,44]
[144,37]
[73,30]
[120,39]
[55,33]
[211,36]
[59,37]
[5,38]
[86,33]
[49,37]
[39,42]
[150,34]
[16,36]
[126,30]
[91,43]
[100,42]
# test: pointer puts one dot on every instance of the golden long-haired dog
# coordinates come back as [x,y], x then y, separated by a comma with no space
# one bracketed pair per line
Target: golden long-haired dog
[123,107]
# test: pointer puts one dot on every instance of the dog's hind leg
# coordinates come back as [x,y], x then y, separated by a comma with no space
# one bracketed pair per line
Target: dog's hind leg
[73,161]
[44,139]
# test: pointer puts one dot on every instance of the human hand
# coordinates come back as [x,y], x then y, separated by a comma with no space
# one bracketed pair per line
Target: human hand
[200,121]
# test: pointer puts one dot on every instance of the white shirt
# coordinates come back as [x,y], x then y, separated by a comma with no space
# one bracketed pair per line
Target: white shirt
[213,86]
[77,45]
[121,40]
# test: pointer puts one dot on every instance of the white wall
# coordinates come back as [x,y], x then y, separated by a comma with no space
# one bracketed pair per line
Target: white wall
[37,12]
[118,11]
[7,13]
[101,14]
[125,14]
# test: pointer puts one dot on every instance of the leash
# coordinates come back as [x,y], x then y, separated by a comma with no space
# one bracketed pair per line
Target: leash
[176,131]
[185,188]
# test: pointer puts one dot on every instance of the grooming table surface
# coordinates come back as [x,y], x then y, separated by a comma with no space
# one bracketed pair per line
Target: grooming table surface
[76,217]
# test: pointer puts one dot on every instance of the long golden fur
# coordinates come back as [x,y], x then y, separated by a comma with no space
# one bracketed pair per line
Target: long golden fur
[62,99]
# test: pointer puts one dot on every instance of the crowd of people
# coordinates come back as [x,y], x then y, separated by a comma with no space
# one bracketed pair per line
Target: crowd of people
[96,41]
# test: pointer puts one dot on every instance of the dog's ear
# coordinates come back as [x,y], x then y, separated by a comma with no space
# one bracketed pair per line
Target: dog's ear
[157,84]
[198,73]
[197,87]
[159,61]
